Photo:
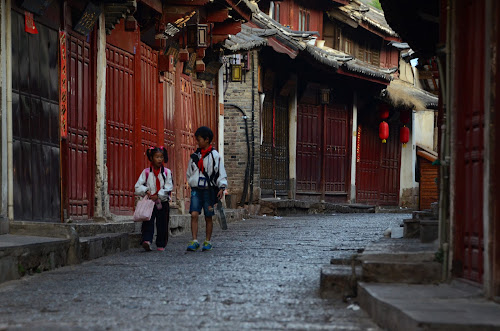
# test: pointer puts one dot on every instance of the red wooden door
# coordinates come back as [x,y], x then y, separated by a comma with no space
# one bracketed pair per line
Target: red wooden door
[336,149]
[81,128]
[120,103]
[186,130]
[308,148]
[469,89]
[377,164]
[149,100]
[323,135]
[205,106]
[169,125]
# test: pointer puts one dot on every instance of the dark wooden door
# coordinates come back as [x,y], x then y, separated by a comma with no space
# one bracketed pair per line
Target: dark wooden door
[469,141]
[35,114]
[120,105]
[81,126]
[377,164]
[275,146]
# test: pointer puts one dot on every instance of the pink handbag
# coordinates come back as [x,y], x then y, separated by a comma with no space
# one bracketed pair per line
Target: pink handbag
[144,210]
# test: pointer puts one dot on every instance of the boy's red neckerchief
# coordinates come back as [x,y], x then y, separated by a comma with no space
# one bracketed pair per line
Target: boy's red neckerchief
[204,153]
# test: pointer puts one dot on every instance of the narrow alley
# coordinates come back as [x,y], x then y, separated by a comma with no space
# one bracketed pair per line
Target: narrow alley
[262,274]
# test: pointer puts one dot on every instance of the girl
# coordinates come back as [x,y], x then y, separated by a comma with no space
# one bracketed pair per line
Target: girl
[156,183]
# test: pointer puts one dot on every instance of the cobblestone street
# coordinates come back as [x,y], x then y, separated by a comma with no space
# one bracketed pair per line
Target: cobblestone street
[263,273]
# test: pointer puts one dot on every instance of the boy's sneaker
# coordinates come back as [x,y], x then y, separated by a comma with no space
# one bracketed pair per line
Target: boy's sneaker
[207,246]
[147,246]
[193,246]
[161,249]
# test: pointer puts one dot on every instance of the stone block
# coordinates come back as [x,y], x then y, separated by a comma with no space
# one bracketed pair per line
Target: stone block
[8,269]
[429,230]
[338,280]
[411,228]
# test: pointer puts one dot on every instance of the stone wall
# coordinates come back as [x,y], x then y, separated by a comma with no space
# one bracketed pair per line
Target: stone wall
[235,138]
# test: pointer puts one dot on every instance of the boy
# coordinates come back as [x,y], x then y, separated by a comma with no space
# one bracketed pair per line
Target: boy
[208,180]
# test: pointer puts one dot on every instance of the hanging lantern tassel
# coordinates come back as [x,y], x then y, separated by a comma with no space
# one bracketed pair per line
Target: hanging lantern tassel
[404,135]
[383,131]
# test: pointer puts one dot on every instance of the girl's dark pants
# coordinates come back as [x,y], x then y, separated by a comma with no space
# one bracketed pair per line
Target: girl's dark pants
[162,220]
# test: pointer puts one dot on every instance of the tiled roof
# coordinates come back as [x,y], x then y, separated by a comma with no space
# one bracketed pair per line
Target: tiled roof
[262,28]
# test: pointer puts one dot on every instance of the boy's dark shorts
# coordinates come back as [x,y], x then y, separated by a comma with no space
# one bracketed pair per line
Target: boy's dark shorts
[201,199]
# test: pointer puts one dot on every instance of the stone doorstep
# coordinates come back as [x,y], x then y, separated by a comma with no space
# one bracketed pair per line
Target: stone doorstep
[284,207]
[384,271]
[456,306]
[102,245]
[402,250]
[21,255]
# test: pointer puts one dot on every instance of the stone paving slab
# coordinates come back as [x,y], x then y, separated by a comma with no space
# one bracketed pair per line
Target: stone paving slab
[456,306]
[263,274]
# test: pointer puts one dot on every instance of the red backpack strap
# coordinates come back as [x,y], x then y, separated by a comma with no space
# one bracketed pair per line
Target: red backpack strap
[147,173]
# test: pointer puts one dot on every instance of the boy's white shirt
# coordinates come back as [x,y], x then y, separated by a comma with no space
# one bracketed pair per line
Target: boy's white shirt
[143,185]
[193,173]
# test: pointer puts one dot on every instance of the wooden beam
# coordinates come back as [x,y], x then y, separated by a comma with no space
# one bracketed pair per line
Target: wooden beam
[227,28]
[235,6]
[188,2]
[154,4]
[218,16]
[219,38]
[173,13]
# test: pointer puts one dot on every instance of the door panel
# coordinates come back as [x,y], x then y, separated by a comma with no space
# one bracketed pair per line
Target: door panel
[81,107]
[120,101]
[35,110]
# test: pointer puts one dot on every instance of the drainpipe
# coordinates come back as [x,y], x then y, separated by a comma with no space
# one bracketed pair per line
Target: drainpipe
[4,222]
[444,198]
[10,162]
[252,161]
[247,170]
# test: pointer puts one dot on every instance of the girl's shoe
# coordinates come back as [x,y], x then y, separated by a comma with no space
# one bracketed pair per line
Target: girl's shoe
[161,249]
[193,246]
[147,246]
[207,246]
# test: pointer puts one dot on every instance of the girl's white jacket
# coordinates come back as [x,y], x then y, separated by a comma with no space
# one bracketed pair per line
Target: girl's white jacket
[193,173]
[149,184]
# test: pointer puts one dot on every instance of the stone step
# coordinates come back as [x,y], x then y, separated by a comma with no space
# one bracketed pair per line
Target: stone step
[22,255]
[339,280]
[102,245]
[423,215]
[457,306]
[387,271]
[346,258]
[411,228]
[429,230]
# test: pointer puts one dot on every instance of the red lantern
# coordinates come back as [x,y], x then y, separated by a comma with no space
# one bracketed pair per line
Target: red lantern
[404,135]
[384,111]
[383,131]
[404,116]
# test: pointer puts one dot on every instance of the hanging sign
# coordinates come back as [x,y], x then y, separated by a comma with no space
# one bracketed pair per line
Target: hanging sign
[63,93]
[211,71]
[90,16]
[189,66]
[29,23]
[36,6]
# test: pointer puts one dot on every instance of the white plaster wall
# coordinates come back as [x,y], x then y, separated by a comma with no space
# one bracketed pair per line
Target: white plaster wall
[423,128]
[421,133]
[354,146]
